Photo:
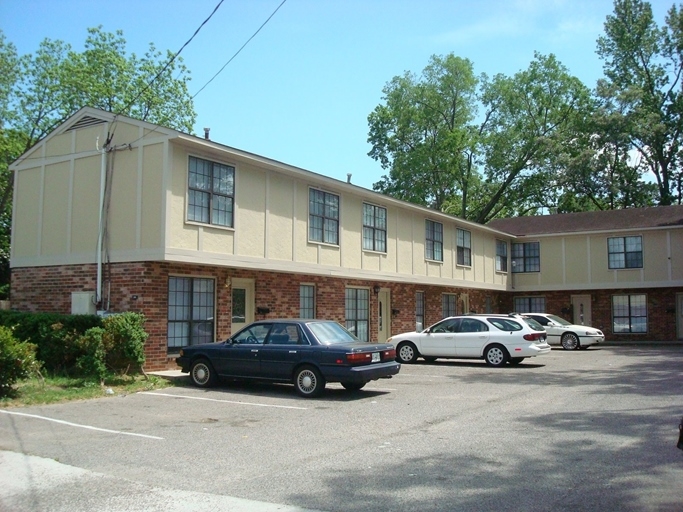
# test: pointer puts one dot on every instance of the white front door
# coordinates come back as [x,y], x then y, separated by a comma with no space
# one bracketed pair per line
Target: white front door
[242,303]
[581,304]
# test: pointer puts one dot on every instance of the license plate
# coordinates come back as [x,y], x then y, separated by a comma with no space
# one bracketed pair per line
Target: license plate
[375,357]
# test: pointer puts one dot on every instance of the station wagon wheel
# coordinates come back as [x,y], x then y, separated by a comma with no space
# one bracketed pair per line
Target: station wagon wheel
[570,341]
[308,381]
[516,360]
[496,355]
[202,373]
[406,352]
[353,386]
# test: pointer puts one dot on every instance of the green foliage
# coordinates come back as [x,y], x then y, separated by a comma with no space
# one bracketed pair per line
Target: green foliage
[124,341]
[17,360]
[92,361]
[642,94]
[86,345]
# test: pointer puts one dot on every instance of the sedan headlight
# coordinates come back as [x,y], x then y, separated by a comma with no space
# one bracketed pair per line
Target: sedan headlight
[592,333]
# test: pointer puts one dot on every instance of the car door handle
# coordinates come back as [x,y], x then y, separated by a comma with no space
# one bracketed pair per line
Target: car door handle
[254,350]
[293,351]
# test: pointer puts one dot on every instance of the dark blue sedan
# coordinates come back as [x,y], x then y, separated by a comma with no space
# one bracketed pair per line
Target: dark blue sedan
[307,353]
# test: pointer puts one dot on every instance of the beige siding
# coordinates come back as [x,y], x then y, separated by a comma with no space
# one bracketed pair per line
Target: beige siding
[250,216]
[25,234]
[280,217]
[181,234]
[123,210]
[85,206]
[655,260]
[90,139]
[351,228]
[151,227]
[600,273]
[576,260]
[55,233]
[676,251]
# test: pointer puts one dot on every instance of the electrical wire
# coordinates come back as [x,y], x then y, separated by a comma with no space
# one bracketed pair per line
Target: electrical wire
[238,51]
[130,103]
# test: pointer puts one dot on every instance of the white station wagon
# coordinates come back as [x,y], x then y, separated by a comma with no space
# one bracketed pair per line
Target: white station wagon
[568,335]
[498,339]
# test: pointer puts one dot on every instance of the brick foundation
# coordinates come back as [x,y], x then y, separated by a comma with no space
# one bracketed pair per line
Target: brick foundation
[143,287]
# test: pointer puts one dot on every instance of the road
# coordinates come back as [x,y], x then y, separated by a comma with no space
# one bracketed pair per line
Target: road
[591,430]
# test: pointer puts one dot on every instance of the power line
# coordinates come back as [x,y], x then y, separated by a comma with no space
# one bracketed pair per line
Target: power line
[238,51]
[174,57]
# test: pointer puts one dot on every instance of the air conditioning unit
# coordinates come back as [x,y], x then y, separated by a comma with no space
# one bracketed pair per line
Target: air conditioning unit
[83,303]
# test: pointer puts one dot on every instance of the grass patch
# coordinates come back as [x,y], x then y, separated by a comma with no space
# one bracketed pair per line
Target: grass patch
[59,389]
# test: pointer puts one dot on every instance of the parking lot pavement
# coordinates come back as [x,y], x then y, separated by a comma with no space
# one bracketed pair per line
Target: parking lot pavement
[585,430]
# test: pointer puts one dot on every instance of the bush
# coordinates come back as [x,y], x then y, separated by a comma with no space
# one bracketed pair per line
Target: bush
[55,335]
[124,340]
[17,360]
[92,362]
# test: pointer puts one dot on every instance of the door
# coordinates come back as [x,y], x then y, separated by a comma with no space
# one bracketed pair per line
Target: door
[440,341]
[242,303]
[679,315]
[470,338]
[383,316]
[283,349]
[581,305]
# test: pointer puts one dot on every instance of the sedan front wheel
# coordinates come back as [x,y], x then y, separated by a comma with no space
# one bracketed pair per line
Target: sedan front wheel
[570,341]
[406,353]
[203,374]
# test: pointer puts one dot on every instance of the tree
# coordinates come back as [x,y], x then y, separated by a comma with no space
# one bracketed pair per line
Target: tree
[439,153]
[38,92]
[643,68]
[423,136]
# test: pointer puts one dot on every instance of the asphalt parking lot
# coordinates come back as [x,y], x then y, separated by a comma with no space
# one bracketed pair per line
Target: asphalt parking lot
[591,430]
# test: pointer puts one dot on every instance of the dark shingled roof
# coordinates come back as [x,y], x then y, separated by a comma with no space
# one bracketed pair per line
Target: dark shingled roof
[630,218]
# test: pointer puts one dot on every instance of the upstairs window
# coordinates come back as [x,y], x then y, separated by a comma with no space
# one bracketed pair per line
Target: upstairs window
[501,256]
[211,192]
[526,257]
[374,228]
[625,252]
[323,217]
[434,241]
[464,247]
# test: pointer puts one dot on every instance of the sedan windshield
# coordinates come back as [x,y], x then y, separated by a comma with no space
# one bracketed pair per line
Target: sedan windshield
[558,320]
[329,333]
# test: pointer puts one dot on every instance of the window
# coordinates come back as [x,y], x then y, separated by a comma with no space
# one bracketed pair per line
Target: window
[358,312]
[526,257]
[419,311]
[323,217]
[190,312]
[307,301]
[629,313]
[625,252]
[434,239]
[464,247]
[501,256]
[530,304]
[211,190]
[374,228]
[448,304]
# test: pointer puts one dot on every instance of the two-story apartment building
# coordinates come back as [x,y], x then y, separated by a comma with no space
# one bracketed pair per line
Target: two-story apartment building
[113,214]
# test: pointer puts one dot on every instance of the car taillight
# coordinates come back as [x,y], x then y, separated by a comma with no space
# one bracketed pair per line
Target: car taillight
[535,336]
[358,357]
[389,355]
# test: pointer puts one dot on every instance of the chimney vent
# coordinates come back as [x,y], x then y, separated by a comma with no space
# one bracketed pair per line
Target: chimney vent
[348,177]
[206,133]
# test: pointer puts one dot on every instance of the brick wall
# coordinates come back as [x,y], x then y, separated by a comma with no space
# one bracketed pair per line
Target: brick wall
[143,287]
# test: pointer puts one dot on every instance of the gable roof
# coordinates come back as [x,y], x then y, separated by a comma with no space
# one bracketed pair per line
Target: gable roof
[607,220]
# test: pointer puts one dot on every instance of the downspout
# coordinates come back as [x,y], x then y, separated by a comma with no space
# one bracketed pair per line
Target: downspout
[103,174]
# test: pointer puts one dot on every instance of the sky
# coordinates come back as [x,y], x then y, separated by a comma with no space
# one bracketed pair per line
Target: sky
[301,90]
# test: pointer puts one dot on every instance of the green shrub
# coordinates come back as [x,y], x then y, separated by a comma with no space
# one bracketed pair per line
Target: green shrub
[55,335]
[124,341]
[92,361]
[17,360]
